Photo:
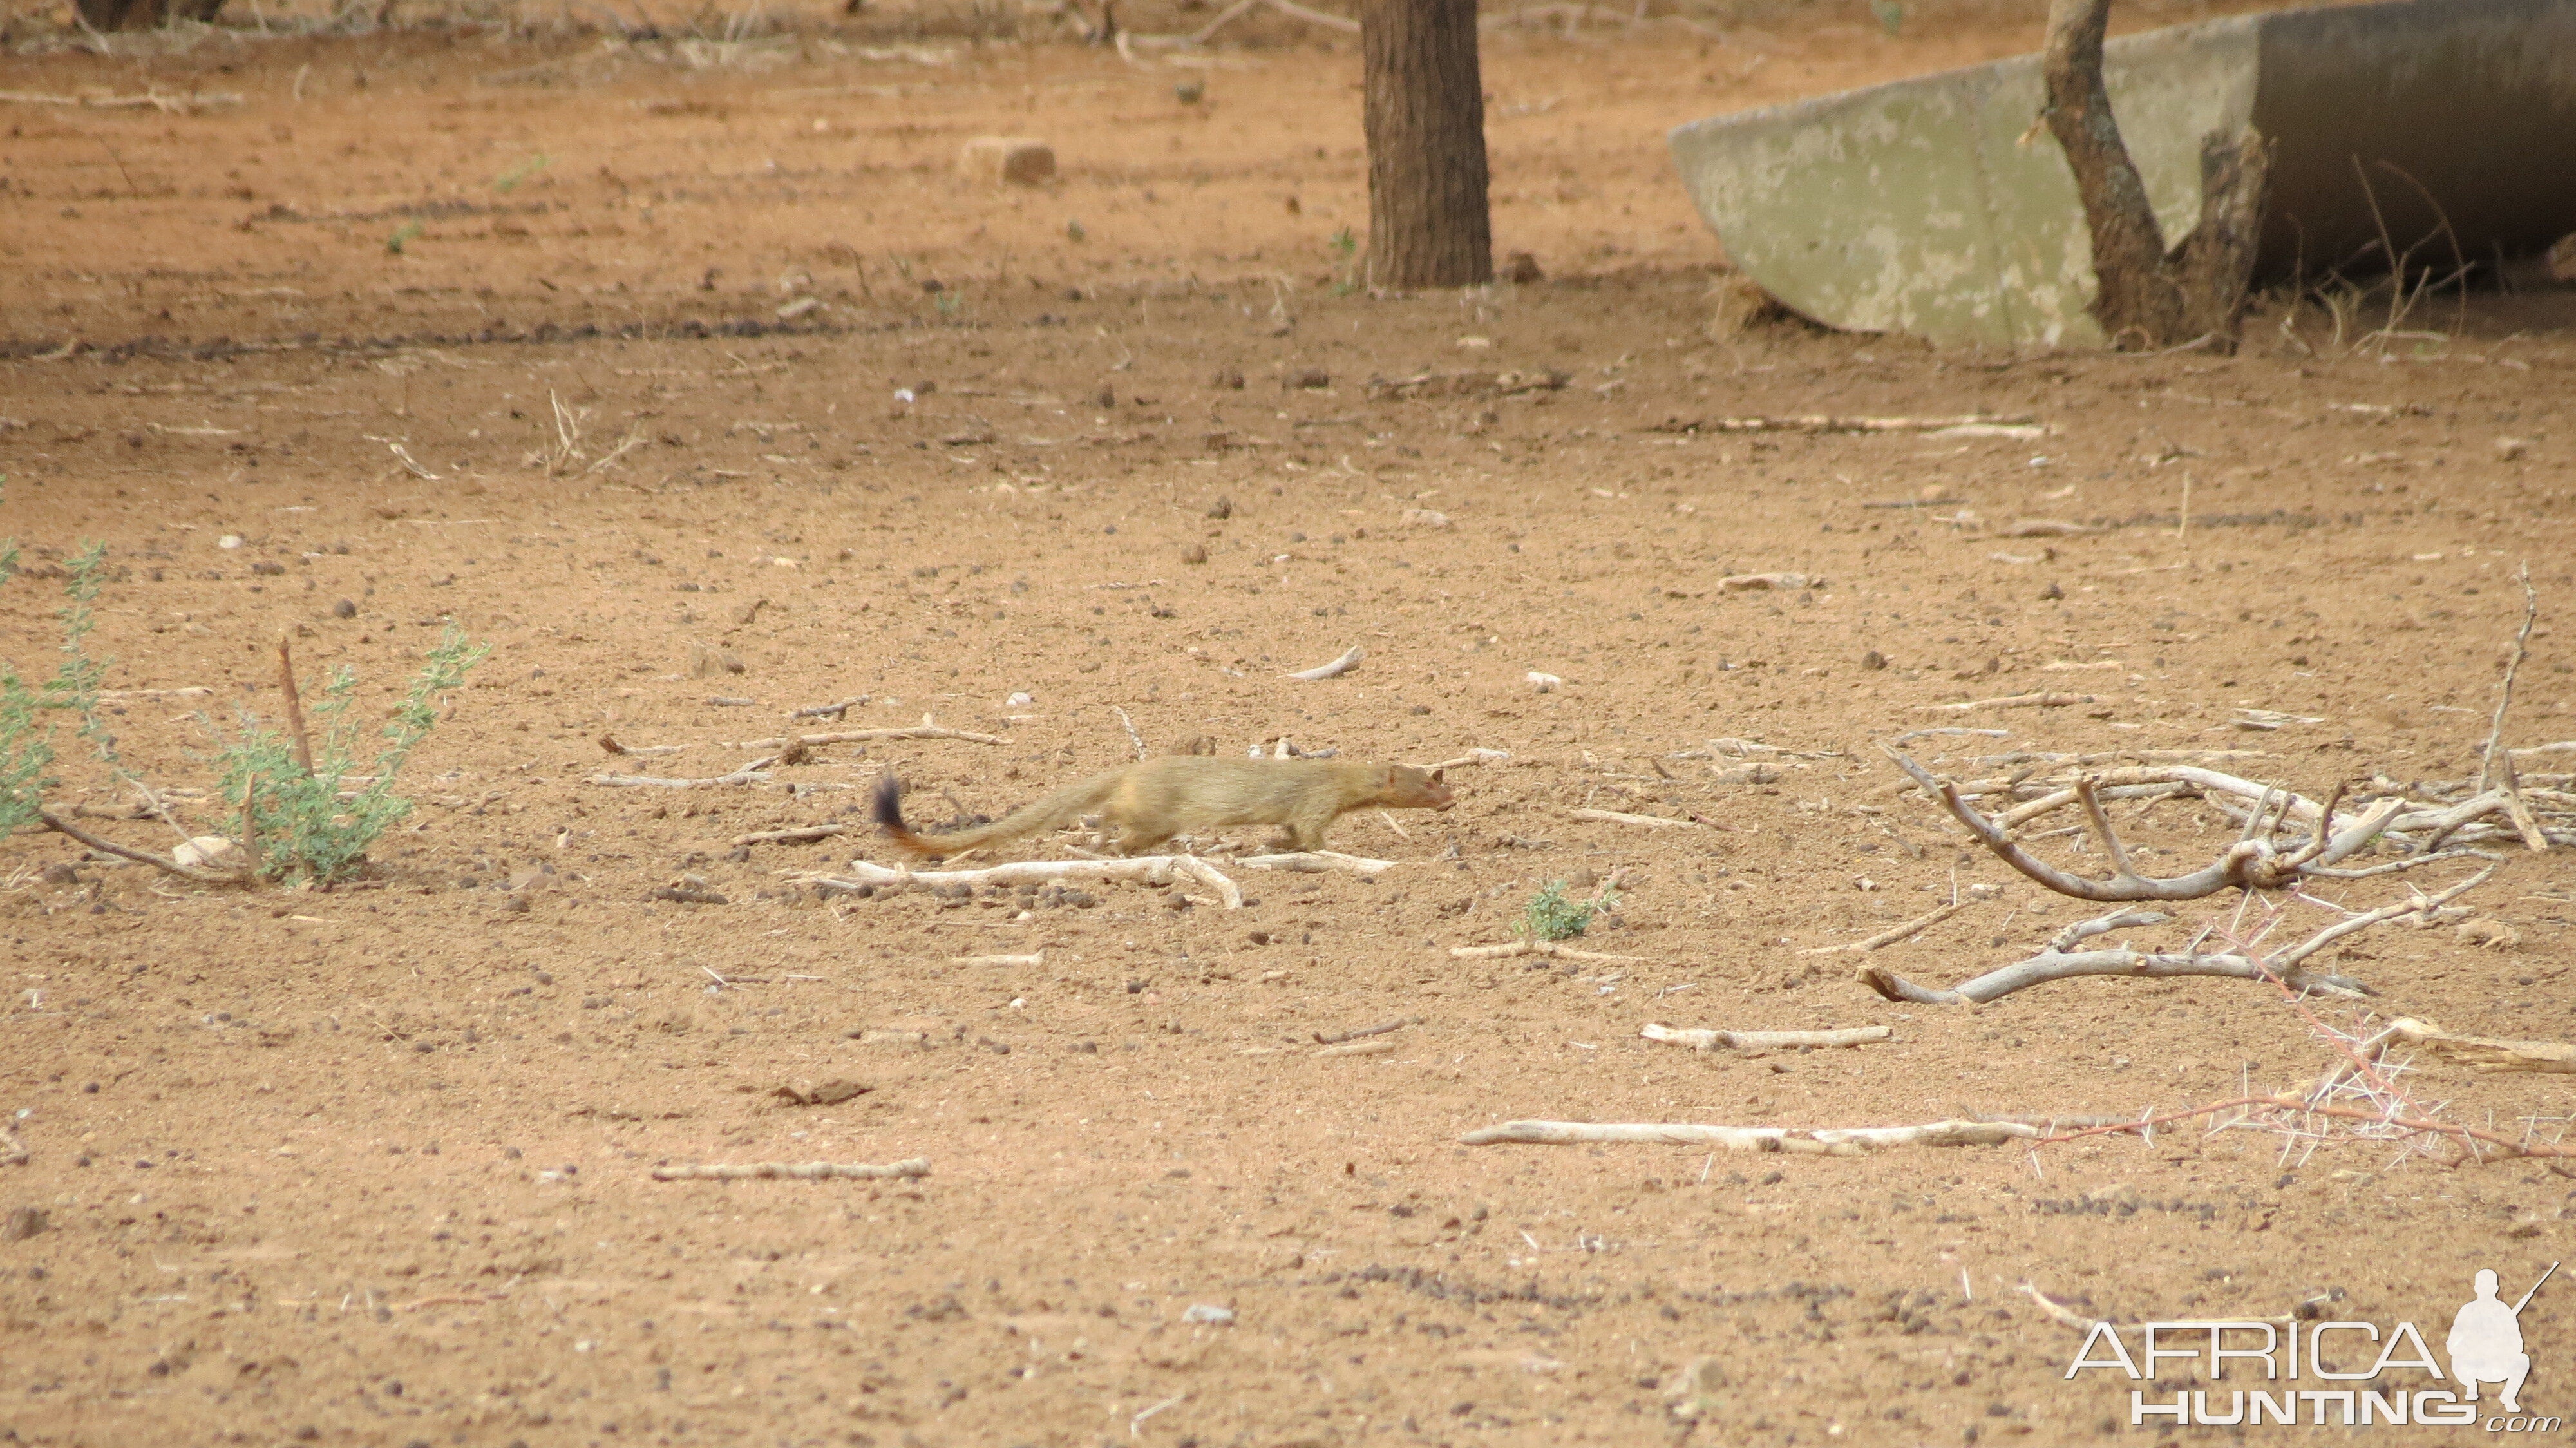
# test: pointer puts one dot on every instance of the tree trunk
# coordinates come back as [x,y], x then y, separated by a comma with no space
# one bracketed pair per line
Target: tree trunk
[1424,111]
[2146,294]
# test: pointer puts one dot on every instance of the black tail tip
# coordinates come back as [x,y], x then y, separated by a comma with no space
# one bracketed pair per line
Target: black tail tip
[887,802]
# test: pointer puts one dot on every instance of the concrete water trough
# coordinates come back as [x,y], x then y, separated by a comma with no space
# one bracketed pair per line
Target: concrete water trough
[1935,206]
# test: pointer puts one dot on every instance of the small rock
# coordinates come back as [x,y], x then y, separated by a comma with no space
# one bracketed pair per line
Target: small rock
[229,540]
[2510,448]
[59,873]
[1227,379]
[1107,398]
[1544,683]
[1310,378]
[1222,508]
[1425,518]
[211,852]
[22,1223]
[1194,553]
[1190,91]
[2052,593]
[1873,661]
[345,608]
[1007,160]
[1755,582]
[1210,1314]
[1521,269]
[706,662]
[799,307]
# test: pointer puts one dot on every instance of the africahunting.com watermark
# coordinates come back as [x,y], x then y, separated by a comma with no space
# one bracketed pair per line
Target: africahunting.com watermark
[2483,1350]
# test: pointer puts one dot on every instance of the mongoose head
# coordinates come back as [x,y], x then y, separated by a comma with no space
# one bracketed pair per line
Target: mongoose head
[1421,788]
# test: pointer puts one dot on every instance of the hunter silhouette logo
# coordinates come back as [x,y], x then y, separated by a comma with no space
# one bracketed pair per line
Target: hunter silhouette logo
[2486,1341]
[2364,1373]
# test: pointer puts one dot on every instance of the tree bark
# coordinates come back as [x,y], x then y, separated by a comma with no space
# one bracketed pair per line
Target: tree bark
[1424,111]
[2146,294]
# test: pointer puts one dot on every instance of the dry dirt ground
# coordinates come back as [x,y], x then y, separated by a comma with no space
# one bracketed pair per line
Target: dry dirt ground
[373,1165]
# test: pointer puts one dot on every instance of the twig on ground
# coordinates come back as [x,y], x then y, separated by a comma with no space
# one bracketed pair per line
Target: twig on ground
[1910,928]
[2485,1053]
[1819,1141]
[2497,772]
[1146,869]
[1033,958]
[803,835]
[1359,1048]
[808,1171]
[840,710]
[1910,735]
[1380,1029]
[154,100]
[1227,893]
[1539,947]
[1333,670]
[1472,756]
[1615,817]
[1852,424]
[748,774]
[2039,700]
[1706,1040]
[1130,726]
[1315,862]
[104,846]
[294,706]
[923,730]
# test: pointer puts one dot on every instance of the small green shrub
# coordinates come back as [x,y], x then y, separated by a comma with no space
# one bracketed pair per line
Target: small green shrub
[307,828]
[26,743]
[1551,916]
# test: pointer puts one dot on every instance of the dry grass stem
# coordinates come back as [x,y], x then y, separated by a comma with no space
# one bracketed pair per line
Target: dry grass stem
[1539,947]
[1333,670]
[809,1171]
[1907,930]
[1707,1040]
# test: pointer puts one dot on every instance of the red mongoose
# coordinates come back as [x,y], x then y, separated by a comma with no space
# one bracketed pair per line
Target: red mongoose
[1148,803]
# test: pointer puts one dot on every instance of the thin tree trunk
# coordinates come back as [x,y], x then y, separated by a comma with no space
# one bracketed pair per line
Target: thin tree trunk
[1424,112]
[2146,295]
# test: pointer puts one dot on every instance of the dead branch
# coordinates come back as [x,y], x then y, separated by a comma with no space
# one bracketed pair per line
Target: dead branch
[1472,756]
[1032,959]
[2251,863]
[2497,773]
[2060,961]
[1539,947]
[1206,874]
[923,730]
[748,774]
[1705,1040]
[1333,670]
[294,706]
[105,846]
[805,835]
[1819,423]
[840,710]
[2149,296]
[2040,700]
[1144,869]
[1615,817]
[1819,1141]
[1315,862]
[1138,739]
[1910,928]
[1380,1029]
[1358,1048]
[2485,1053]
[808,1171]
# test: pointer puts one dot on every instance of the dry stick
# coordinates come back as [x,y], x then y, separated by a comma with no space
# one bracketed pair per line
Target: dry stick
[294,715]
[790,837]
[57,824]
[1472,756]
[1858,424]
[2042,700]
[249,831]
[1705,1040]
[2286,1102]
[1133,737]
[1315,862]
[1539,947]
[1359,1048]
[2485,1053]
[1035,958]
[1614,817]
[923,730]
[809,1171]
[1819,1141]
[1333,670]
[1380,1029]
[2498,772]
[1889,937]
[840,710]
[748,774]
[1148,869]
[1227,893]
